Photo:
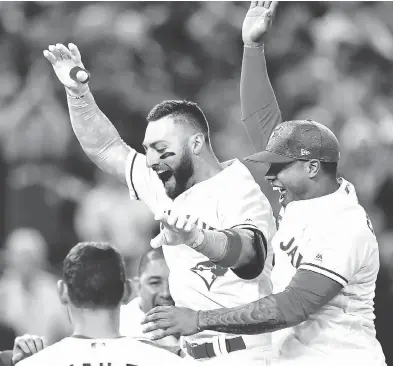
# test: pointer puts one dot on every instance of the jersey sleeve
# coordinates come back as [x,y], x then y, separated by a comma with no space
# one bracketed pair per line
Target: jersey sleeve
[260,111]
[246,207]
[249,208]
[337,255]
[143,184]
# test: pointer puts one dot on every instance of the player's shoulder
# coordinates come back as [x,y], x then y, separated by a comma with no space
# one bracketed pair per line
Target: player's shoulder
[239,179]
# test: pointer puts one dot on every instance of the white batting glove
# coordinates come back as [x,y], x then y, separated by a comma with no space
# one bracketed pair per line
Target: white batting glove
[177,229]
[63,60]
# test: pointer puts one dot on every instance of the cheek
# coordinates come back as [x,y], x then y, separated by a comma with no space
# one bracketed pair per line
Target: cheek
[292,182]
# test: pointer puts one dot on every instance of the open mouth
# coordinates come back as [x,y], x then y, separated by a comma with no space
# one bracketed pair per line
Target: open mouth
[282,192]
[164,175]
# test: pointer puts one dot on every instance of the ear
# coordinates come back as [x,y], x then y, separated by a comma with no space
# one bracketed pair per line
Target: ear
[313,168]
[127,293]
[197,142]
[62,291]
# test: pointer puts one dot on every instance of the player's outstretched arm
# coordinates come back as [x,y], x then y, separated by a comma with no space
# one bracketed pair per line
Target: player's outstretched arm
[305,295]
[260,111]
[96,134]
[243,248]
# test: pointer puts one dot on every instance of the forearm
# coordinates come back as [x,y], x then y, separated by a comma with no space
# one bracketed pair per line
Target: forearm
[95,133]
[260,111]
[232,249]
[261,316]
[306,294]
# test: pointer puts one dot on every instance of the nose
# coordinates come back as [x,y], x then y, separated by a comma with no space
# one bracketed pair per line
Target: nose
[270,175]
[151,159]
[165,293]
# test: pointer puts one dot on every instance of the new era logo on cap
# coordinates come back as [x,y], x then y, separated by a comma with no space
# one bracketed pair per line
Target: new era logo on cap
[299,140]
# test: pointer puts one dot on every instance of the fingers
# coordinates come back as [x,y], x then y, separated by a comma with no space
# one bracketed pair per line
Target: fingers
[21,344]
[158,241]
[191,223]
[260,3]
[162,333]
[253,4]
[273,7]
[75,54]
[50,56]
[156,326]
[64,51]
[266,4]
[55,52]
[155,313]
[39,343]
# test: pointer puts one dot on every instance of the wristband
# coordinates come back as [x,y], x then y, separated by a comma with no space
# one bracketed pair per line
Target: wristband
[197,325]
[198,241]
[74,96]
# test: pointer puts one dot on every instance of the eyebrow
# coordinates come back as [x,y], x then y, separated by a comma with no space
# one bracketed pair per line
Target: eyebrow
[155,278]
[153,144]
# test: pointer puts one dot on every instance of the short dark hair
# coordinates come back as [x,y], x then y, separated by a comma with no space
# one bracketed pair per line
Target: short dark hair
[95,275]
[151,255]
[184,112]
[330,169]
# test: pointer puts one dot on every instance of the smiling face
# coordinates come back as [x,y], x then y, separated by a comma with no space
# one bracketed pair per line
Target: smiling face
[168,154]
[154,287]
[290,179]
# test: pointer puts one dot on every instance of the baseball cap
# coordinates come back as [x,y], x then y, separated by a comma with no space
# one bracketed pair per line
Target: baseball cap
[299,140]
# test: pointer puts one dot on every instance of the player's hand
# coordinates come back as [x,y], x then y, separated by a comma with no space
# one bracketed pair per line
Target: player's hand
[25,346]
[170,320]
[63,59]
[177,229]
[258,21]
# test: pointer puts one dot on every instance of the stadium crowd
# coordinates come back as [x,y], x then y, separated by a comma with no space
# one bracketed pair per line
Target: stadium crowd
[329,61]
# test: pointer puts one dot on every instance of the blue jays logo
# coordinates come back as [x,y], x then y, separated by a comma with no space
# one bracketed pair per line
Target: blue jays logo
[209,272]
[276,132]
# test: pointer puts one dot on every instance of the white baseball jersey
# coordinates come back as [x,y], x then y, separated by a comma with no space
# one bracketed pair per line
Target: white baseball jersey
[124,351]
[331,235]
[229,199]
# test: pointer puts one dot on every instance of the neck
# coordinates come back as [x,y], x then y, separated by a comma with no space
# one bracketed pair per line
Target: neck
[324,188]
[205,168]
[96,323]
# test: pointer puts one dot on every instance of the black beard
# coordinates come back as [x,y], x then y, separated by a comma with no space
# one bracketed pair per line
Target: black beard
[182,176]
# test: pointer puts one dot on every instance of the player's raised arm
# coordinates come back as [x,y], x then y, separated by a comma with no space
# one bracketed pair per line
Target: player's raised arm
[260,111]
[96,134]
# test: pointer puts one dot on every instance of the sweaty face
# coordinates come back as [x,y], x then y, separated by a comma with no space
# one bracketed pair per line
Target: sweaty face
[154,288]
[168,155]
[290,179]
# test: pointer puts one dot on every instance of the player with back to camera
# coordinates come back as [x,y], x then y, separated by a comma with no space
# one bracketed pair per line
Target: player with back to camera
[153,290]
[225,250]
[326,261]
[93,288]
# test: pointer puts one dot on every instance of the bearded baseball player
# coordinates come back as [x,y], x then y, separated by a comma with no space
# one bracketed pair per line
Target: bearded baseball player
[216,223]
[326,262]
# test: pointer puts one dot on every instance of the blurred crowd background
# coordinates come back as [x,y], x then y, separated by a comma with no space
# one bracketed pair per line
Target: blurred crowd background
[329,61]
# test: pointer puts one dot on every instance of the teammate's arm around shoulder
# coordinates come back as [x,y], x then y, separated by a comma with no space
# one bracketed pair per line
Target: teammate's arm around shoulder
[96,134]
